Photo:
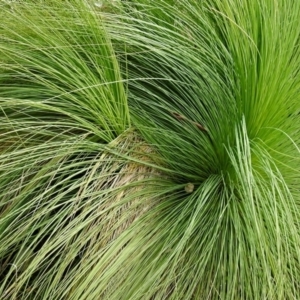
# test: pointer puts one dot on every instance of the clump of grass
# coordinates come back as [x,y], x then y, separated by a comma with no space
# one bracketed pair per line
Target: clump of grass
[150,150]
[63,106]
[226,67]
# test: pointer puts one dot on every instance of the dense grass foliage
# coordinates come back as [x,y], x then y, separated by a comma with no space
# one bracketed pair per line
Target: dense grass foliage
[150,149]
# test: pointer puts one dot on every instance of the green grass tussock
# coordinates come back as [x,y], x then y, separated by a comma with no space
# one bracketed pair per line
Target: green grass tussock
[150,150]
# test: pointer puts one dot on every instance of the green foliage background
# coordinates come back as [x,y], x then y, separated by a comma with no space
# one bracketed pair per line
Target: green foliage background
[150,149]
